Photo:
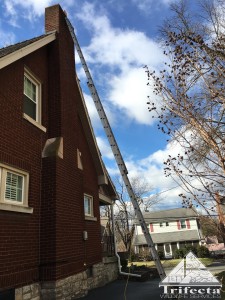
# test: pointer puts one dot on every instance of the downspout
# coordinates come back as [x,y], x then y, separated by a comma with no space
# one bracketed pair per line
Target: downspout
[116,253]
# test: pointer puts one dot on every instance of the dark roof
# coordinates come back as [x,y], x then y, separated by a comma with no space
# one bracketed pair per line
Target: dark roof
[12,48]
[168,237]
[168,215]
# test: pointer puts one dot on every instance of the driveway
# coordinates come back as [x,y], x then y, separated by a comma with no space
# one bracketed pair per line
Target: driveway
[135,291]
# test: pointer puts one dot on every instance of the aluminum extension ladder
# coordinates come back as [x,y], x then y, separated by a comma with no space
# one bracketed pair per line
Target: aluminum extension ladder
[116,153]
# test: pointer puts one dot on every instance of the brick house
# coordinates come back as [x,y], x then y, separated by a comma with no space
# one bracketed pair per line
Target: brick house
[170,230]
[52,178]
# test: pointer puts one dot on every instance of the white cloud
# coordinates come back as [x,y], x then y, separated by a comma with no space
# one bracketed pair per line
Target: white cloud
[123,52]
[152,169]
[117,47]
[6,38]
[129,92]
[15,10]
[148,6]
[34,7]
[104,147]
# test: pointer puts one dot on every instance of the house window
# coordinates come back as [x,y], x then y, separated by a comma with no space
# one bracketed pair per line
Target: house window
[13,189]
[183,224]
[88,205]
[161,224]
[167,223]
[32,97]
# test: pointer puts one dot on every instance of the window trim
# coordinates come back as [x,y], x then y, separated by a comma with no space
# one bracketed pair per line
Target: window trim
[91,215]
[10,204]
[38,120]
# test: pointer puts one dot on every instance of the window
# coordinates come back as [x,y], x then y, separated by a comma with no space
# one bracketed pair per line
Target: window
[32,95]
[32,100]
[167,223]
[14,189]
[183,224]
[88,205]
[161,224]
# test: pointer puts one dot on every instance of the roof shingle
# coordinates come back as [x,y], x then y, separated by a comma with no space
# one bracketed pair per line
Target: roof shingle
[12,48]
[168,237]
[168,215]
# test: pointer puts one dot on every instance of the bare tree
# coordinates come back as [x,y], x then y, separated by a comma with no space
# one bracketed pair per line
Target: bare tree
[124,212]
[189,100]
[210,227]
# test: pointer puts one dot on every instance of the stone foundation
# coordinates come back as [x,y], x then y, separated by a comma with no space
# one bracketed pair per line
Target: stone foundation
[29,292]
[72,287]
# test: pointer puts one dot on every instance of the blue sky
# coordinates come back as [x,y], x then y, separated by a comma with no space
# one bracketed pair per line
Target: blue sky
[118,38]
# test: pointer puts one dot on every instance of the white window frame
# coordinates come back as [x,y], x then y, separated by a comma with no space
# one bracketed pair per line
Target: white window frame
[11,205]
[37,121]
[90,198]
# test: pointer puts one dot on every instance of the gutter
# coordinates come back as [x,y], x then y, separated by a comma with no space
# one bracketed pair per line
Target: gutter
[116,253]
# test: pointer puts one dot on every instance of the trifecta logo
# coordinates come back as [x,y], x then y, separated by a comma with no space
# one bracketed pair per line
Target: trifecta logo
[190,279]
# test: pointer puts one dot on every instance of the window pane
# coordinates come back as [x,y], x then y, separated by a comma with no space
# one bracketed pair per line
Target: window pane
[29,89]
[29,107]
[87,205]
[183,224]
[14,187]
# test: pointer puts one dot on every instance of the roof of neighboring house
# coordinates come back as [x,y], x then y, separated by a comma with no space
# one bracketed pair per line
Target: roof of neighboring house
[169,215]
[168,237]
[216,247]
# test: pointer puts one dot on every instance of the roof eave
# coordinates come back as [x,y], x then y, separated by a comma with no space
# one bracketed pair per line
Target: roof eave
[89,132]
[18,54]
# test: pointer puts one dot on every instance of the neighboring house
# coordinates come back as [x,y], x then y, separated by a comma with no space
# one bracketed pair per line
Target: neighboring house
[52,178]
[170,230]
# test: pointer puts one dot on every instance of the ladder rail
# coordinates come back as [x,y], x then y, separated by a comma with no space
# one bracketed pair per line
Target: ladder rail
[117,154]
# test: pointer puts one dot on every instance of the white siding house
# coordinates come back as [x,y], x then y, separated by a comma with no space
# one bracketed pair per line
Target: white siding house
[170,230]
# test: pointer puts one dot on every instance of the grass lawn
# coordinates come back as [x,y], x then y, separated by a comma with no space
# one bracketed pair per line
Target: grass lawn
[170,263]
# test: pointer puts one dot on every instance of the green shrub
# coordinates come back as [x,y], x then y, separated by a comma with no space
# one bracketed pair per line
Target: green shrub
[187,249]
[202,251]
[179,253]
[134,257]
[160,254]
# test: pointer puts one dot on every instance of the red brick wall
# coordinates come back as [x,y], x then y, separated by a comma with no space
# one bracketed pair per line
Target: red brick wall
[93,244]
[21,146]
[56,185]
[67,253]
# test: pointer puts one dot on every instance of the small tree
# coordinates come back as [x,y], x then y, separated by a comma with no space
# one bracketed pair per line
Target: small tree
[124,212]
[210,227]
